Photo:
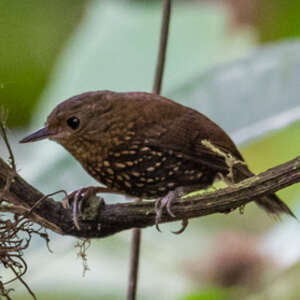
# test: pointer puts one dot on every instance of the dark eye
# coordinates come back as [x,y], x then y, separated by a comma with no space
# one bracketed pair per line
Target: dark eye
[73,123]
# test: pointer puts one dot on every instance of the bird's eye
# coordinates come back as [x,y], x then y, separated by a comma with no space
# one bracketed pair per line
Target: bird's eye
[73,123]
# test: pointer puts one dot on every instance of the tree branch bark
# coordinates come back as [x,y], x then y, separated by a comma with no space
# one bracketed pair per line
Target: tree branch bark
[112,218]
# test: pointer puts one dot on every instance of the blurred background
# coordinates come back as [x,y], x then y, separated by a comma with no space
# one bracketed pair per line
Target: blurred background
[237,61]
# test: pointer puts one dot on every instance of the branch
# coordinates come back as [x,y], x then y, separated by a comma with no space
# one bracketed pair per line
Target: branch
[109,219]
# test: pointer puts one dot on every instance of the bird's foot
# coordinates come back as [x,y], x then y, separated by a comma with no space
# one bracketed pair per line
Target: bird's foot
[76,199]
[166,203]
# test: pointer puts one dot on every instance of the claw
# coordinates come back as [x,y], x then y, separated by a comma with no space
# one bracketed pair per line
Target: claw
[157,205]
[169,205]
[165,202]
[66,202]
[78,197]
[75,207]
[157,220]
[184,225]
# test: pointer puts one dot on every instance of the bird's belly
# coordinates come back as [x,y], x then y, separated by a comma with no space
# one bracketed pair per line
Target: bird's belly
[150,174]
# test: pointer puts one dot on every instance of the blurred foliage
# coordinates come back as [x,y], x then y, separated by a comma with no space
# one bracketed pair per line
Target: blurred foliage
[273,19]
[277,148]
[115,47]
[32,33]
[277,19]
[212,293]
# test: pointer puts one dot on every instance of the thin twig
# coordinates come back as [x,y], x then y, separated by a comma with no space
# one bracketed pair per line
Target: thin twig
[136,233]
[12,172]
[24,283]
[3,117]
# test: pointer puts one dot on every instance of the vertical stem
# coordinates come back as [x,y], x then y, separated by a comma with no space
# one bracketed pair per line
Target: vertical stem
[134,263]
[162,47]
[136,232]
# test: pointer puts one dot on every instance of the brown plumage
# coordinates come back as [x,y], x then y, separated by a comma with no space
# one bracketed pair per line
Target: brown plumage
[143,145]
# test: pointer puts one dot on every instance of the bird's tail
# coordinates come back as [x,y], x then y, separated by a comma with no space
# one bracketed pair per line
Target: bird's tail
[272,204]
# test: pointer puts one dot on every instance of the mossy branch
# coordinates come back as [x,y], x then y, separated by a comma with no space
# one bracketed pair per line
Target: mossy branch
[109,219]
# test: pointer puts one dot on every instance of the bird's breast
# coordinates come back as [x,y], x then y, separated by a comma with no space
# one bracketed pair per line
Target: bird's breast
[144,171]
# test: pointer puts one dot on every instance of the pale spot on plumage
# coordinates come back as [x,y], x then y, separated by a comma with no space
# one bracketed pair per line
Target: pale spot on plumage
[144,149]
[106,163]
[126,176]
[108,180]
[130,125]
[128,184]
[150,169]
[116,141]
[110,171]
[120,165]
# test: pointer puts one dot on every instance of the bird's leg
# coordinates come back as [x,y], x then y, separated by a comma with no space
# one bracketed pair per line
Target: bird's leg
[166,202]
[78,197]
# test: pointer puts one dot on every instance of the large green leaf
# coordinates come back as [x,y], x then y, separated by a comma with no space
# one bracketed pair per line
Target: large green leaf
[115,48]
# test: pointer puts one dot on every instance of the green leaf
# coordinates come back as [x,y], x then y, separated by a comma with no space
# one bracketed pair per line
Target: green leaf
[209,294]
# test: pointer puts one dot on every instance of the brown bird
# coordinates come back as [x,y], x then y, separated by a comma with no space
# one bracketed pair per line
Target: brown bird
[146,146]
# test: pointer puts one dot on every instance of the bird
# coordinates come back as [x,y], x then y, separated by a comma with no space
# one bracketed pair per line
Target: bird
[146,146]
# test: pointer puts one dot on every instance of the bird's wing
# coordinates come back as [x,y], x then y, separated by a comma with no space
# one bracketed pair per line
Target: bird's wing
[190,133]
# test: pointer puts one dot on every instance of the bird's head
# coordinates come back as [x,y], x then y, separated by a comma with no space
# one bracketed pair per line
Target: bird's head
[77,116]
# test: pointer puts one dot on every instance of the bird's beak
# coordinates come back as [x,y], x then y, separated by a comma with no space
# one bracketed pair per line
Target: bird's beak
[41,134]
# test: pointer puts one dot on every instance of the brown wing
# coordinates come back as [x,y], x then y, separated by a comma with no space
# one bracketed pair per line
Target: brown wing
[168,125]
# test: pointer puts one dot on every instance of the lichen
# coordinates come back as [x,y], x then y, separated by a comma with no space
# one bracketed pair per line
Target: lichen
[230,160]
[91,208]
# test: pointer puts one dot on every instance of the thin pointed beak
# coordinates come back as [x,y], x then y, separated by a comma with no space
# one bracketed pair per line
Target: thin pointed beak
[41,134]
